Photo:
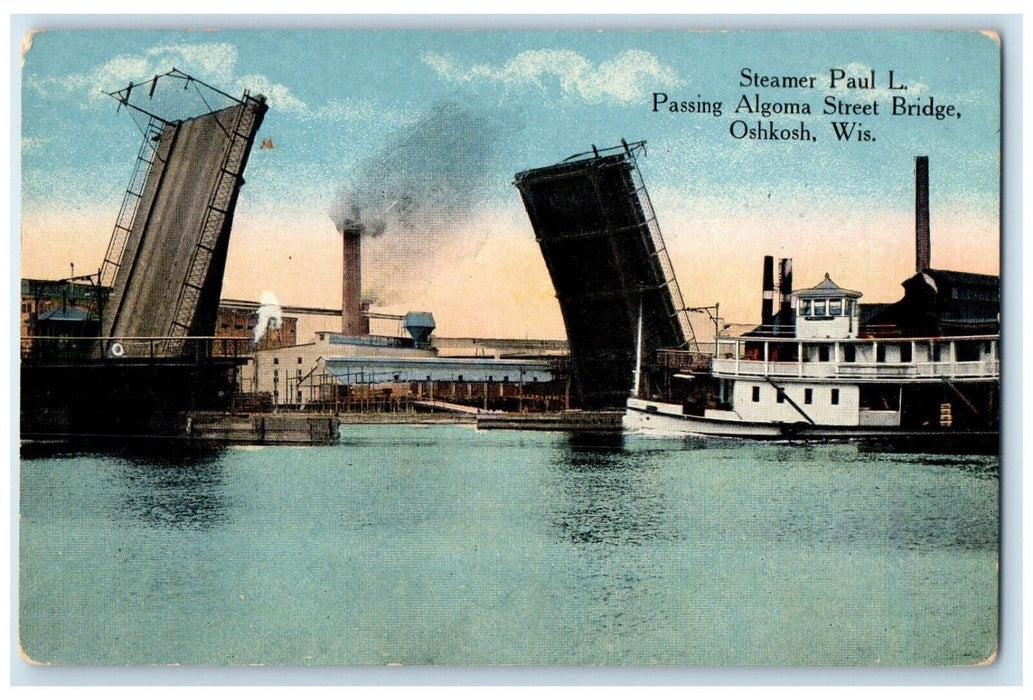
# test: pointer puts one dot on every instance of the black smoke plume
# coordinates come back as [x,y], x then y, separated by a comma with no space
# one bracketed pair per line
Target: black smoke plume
[428,177]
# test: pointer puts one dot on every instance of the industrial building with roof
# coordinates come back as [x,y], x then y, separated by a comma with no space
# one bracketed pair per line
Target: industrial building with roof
[376,372]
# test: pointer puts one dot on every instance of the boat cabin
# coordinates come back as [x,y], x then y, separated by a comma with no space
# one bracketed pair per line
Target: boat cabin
[827,311]
[834,372]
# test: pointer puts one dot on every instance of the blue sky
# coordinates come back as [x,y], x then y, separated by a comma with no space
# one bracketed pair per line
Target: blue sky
[339,99]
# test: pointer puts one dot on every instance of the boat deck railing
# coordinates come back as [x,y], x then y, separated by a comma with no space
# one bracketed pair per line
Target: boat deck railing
[864,359]
[979,369]
[685,360]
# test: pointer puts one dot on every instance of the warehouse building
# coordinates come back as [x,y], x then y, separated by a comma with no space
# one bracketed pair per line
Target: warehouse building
[387,373]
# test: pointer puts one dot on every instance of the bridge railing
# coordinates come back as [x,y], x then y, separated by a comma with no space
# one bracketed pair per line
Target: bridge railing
[116,349]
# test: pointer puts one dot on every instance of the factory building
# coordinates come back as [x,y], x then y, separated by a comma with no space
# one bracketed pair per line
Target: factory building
[71,296]
[941,303]
[354,370]
[297,375]
[234,322]
[386,373]
[499,347]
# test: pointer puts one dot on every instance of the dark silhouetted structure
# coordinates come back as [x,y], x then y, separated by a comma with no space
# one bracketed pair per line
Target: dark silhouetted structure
[154,363]
[599,236]
[922,242]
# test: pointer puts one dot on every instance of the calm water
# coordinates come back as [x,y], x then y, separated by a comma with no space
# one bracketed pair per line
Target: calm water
[443,545]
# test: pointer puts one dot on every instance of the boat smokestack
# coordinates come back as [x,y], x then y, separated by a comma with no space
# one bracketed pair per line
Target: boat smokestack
[922,245]
[767,310]
[785,291]
[352,321]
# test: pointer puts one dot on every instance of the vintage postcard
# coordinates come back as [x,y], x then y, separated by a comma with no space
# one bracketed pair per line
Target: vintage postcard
[499,347]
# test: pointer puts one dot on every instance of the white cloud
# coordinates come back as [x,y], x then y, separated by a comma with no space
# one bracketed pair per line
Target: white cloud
[214,63]
[278,96]
[629,76]
[116,73]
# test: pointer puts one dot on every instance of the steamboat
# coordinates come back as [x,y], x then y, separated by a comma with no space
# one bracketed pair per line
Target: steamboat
[826,366]
[829,373]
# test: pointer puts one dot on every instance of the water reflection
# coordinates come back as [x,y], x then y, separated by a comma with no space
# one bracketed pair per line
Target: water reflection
[172,489]
[607,495]
[946,444]
[611,511]
[588,441]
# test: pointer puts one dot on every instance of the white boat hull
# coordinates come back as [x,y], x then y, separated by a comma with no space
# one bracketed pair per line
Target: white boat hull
[654,418]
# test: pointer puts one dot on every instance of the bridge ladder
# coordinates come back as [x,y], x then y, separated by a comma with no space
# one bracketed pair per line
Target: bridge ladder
[659,252]
[145,158]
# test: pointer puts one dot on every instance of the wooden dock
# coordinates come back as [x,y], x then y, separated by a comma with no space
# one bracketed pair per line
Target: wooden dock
[264,428]
[322,429]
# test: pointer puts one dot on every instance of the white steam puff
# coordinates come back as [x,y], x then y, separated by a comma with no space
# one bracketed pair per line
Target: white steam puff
[269,315]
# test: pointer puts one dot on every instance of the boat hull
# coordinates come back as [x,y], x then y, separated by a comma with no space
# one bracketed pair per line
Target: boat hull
[659,419]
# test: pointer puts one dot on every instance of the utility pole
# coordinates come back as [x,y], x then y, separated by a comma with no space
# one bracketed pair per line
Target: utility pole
[712,312]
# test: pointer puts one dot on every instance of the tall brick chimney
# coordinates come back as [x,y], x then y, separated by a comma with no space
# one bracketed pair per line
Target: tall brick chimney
[352,321]
[922,245]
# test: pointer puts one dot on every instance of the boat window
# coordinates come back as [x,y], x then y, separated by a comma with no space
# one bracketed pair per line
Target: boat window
[756,393]
[823,353]
[835,307]
[805,307]
[808,395]
[967,351]
[880,353]
[835,397]
[905,352]
[819,307]
[849,307]
[849,353]
[781,398]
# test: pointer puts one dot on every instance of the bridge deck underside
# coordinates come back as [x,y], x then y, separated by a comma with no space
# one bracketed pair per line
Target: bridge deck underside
[603,261]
